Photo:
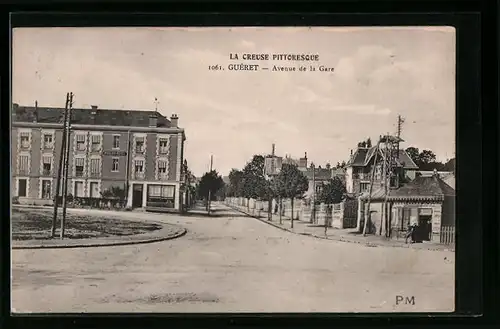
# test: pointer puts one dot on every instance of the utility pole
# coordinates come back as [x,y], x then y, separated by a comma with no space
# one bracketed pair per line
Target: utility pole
[367,211]
[209,191]
[66,166]
[313,203]
[60,168]
[269,179]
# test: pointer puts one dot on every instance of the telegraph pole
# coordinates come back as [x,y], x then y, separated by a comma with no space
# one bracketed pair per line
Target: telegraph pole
[313,209]
[60,168]
[209,191]
[66,166]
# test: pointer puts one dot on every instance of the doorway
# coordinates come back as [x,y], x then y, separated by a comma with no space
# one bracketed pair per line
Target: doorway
[425,227]
[137,194]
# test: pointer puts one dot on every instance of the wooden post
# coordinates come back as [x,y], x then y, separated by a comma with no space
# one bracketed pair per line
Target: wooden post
[66,167]
[59,169]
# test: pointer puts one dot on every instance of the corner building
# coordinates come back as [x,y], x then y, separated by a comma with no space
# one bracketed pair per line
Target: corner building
[140,152]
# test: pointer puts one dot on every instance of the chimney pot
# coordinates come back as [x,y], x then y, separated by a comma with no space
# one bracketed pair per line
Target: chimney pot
[174,120]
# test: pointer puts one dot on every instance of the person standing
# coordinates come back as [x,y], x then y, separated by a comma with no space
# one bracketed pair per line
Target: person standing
[410,233]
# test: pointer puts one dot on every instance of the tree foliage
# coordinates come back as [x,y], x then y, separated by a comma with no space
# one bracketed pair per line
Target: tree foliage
[254,184]
[426,160]
[333,192]
[235,188]
[210,182]
[291,182]
[365,143]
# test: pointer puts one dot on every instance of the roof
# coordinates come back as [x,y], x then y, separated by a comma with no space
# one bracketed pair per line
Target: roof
[363,155]
[421,188]
[135,118]
[319,174]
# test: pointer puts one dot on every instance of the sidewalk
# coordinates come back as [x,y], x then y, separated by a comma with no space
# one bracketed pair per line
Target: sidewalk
[344,235]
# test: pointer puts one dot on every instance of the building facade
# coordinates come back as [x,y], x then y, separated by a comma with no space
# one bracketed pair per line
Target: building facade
[359,169]
[138,152]
[426,201]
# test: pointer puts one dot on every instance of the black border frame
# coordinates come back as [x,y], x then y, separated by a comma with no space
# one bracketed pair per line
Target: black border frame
[476,272]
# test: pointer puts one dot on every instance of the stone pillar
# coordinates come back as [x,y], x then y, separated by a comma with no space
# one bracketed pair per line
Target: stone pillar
[144,194]
[361,205]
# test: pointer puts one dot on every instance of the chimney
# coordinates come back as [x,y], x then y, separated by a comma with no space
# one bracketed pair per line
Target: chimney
[351,152]
[94,107]
[174,121]
[328,166]
[435,173]
[153,120]
[35,113]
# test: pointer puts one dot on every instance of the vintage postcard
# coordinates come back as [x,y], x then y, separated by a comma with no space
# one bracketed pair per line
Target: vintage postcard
[245,169]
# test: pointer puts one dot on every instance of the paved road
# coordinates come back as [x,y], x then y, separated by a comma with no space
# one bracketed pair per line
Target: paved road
[231,264]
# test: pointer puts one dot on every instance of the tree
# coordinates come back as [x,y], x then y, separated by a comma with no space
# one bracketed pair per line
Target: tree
[291,183]
[333,192]
[210,183]
[414,154]
[369,142]
[427,156]
[235,183]
[254,185]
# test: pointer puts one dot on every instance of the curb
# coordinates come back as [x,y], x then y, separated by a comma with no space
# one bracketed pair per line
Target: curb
[341,239]
[178,234]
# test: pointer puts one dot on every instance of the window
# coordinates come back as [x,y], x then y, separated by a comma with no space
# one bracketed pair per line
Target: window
[79,189]
[161,191]
[139,166]
[115,167]
[25,140]
[24,164]
[79,166]
[95,166]
[319,188]
[48,141]
[23,187]
[139,145]
[94,189]
[363,187]
[80,142]
[163,145]
[46,189]
[162,166]
[96,143]
[47,165]
[116,141]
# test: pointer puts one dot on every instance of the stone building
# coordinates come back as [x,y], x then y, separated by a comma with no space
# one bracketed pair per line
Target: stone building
[140,152]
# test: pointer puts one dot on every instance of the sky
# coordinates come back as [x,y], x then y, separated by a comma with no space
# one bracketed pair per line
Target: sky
[379,73]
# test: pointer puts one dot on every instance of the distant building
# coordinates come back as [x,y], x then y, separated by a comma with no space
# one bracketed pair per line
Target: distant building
[138,151]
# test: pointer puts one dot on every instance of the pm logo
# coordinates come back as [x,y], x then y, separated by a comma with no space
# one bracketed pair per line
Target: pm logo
[404,300]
